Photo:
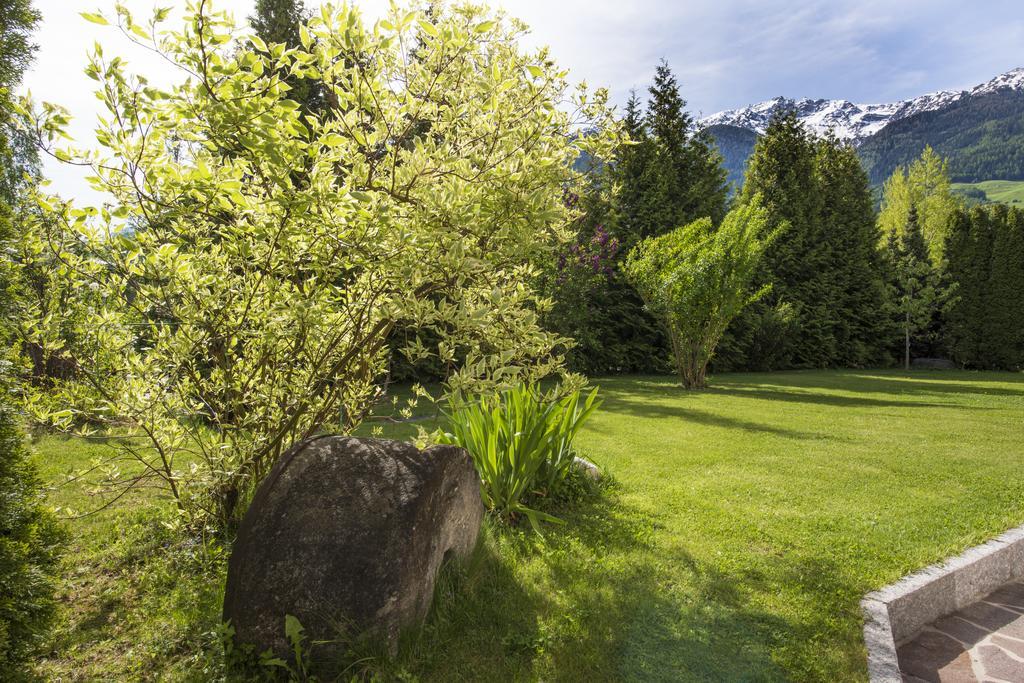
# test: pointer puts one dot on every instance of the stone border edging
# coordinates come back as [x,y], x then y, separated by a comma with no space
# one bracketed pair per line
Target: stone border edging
[893,615]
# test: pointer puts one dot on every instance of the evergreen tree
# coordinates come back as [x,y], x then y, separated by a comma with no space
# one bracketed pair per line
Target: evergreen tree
[278,21]
[985,261]
[635,204]
[1004,324]
[17,154]
[917,294]
[30,541]
[667,177]
[968,251]
[693,181]
[851,236]
[782,171]
[594,304]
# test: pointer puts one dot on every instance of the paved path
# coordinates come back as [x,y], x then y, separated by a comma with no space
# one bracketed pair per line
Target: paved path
[980,643]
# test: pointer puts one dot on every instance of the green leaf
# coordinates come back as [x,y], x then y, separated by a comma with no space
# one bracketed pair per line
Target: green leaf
[535,70]
[428,28]
[483,27]
[95,18]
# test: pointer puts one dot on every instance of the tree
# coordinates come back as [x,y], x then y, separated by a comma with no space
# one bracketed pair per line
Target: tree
[279,22]
[985,262]
[917,293]
[1005,325]
[696,279]
[241,308]
[30,542]
[687,162]
[594,304]
[925,186]
[669,175]
[968,252]
[17,20]
[857,287]
[783,172]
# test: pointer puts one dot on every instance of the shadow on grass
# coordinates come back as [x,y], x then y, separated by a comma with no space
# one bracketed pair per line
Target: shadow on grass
[639,408]
[596,599]
[814,398]
[917,384]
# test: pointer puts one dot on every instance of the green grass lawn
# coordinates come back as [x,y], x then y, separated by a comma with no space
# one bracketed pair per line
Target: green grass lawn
[1005,191]
[743,526]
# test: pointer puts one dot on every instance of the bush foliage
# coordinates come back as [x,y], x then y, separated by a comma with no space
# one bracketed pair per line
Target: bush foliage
[30,544]
[697,278]
[241,290]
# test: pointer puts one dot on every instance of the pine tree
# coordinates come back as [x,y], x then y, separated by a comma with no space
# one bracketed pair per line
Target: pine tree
[782,171]
[917,293]
[278,21]
[693,178]
[851,234]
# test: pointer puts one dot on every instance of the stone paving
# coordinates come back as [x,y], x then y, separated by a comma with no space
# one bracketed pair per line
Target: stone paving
[982,642]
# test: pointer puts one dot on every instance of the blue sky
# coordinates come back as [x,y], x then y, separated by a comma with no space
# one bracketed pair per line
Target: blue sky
[726,53]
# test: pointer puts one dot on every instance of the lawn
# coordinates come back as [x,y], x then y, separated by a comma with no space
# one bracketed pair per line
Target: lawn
[1004,191]
[741,529]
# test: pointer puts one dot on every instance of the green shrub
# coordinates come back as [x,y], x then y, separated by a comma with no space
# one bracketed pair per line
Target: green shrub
[521,443]
[30,541]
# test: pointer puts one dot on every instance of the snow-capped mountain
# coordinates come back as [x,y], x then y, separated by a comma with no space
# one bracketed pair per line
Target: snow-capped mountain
[852,121]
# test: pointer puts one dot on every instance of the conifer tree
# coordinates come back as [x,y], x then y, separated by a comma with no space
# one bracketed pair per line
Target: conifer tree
[1004,324]
[917,295]
[782,171]
[635,195]
[968,251]
[278,21]
[17,154]
[689,165]
[851,239]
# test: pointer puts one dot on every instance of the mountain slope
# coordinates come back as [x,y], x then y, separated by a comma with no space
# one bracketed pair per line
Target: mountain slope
[982,138]
[735,144]
[857,122]
[980,131]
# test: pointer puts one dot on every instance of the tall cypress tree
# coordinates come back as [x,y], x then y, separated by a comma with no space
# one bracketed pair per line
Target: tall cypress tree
[968,252]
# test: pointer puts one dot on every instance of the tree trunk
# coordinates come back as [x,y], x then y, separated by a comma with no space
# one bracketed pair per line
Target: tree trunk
[906,342]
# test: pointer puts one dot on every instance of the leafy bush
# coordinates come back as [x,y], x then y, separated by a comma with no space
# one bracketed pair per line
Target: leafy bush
[697,278]
[521,443]
[30,541]
[254,286]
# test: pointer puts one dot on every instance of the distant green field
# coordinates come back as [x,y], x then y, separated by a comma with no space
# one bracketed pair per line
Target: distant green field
[1004,191]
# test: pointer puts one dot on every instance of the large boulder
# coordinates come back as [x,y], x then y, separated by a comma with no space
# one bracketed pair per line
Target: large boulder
[348,531]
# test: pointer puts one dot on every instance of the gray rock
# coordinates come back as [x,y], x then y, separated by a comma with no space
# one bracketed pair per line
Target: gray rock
[352,532]
[586,468]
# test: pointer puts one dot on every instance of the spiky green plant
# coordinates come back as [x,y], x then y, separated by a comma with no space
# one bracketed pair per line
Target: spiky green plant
[521,443]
